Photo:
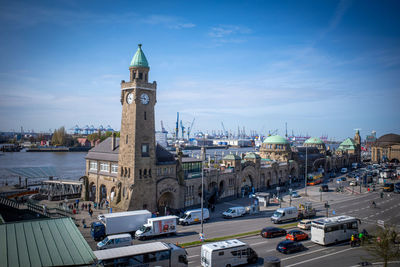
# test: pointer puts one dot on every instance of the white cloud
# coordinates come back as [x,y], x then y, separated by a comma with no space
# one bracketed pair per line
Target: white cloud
[168,21]
[223,31]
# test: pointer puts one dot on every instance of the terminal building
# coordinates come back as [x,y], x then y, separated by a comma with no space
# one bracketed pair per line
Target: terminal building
[134,172]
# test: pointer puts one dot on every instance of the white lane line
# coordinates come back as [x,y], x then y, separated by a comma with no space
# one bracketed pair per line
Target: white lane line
[302,254]
[192,256]
[323,256]
[258,243]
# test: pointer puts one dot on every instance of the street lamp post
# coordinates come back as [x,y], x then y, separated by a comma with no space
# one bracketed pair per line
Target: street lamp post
[202,195]
[305,178]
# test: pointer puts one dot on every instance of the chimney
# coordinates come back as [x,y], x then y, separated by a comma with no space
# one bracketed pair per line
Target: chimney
[113,141]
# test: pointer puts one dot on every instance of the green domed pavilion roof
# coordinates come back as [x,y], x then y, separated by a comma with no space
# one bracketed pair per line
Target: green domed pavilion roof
[314,140]
[276,139]
[232,157]
[252,155]
[347,144]
[139,59]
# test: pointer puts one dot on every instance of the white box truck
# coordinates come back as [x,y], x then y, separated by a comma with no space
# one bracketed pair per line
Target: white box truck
[194,216]
[285,214]
[119,222]
[164,225]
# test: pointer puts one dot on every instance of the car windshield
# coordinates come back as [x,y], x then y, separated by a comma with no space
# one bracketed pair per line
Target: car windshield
[142,228]
[277,214]
[229,211]
[104,241]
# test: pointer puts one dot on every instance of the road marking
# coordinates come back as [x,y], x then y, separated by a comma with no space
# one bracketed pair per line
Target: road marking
[323,256]
[192,256]
[295,256]
[259,243]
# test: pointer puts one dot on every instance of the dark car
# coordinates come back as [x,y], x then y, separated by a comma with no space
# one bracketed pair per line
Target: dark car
[289,246]
[397,188]
[324,188]
[272,232]
[388,187]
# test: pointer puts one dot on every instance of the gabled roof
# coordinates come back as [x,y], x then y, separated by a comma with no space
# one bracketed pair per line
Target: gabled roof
[163,156]
[104,151]
[47,242]
[139,59]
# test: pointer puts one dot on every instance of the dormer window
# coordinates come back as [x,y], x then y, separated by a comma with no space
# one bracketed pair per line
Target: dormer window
[140,76]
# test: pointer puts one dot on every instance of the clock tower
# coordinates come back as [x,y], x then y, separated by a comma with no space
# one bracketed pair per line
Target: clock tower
[137,146]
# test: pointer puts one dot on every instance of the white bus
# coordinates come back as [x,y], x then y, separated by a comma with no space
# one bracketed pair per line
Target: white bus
[144,255]
[327,231]
[227,253]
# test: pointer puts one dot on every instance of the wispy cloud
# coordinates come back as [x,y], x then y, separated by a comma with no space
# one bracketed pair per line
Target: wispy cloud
[168,21]
[223,31]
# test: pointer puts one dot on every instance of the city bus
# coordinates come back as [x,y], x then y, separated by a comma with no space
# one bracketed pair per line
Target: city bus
[149,255]
[327,231]
[315,178]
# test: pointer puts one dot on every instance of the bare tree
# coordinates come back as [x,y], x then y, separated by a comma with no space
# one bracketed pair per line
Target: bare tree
[384,246]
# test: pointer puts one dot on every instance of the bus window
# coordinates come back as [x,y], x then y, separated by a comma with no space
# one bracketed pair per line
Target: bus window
[221,253]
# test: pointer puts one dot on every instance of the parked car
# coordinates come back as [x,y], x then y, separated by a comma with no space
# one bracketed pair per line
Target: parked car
[272,232]
[115,241]
[353,183]
[295,194]
[397,188]
[304,224]
[388,187]
[234,212]
[289,246]
[296,235]
[324,188]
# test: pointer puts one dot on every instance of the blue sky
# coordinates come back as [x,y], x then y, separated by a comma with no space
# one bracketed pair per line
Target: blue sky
[324,67]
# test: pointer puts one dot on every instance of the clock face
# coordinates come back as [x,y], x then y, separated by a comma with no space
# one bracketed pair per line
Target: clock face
[144,98]
[129,98]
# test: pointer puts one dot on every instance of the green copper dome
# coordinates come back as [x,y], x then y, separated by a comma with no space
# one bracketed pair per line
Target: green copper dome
[232,157]
[347,144]
[252,155]
[276,139]
[314,140]
[139,59]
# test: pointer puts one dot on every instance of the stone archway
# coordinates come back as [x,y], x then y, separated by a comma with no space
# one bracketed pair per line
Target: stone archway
[165,203]
[92,192]
[221,188]
[245,185]
[102,193]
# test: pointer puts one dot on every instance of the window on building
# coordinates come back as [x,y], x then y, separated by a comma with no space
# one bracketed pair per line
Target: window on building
[126,139]
[140,173]
[145,117]
[145,173]
[114,168]
[140,76]
[149,172]
[145,150]
[134,75]
[104,167]
[93,165]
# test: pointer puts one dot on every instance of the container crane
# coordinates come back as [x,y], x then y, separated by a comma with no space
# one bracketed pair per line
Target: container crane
[223,128]
[162,128]
[177,126]
[183,130]
[189,129]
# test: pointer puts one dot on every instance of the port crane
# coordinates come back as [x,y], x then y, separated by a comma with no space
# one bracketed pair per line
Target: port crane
[177,126]
[225,133]
[183,130]
[162,128]
[189,129]
[274,132]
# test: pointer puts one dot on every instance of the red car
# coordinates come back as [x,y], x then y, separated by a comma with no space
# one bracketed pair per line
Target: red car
[296,235]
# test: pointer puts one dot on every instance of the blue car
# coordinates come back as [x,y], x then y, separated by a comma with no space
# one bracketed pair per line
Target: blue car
[289,246]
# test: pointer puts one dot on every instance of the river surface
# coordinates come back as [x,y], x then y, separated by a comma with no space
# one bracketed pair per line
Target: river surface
[71,165]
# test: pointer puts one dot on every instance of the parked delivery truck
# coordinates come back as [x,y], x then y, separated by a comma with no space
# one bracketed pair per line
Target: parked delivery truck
[119,222]
[164,225]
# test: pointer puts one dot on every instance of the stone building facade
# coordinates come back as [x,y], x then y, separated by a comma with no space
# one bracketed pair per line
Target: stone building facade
[386,149]
[136,173]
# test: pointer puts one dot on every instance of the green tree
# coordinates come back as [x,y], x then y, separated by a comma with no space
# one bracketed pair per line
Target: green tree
[59,137]
[385,246]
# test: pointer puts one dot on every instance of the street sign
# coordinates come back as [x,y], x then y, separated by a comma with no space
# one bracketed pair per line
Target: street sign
[333,212]
[381,223]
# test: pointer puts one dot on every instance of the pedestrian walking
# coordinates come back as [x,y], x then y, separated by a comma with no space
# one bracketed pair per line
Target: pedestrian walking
[82,206]
[90,213]
[90,205]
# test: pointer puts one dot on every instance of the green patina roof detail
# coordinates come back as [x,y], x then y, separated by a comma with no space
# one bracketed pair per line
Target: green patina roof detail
[47,242]
[232,157]
[314,140]
[252,155]
[276,139]
[139,59]
[347,144]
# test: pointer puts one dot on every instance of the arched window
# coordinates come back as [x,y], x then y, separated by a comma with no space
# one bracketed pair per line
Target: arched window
[149,172]
[145,173]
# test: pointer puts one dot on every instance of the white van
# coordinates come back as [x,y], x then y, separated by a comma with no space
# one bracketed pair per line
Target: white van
[234,212]
[115,241]
[194,216]
[227,253]
[285,214]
